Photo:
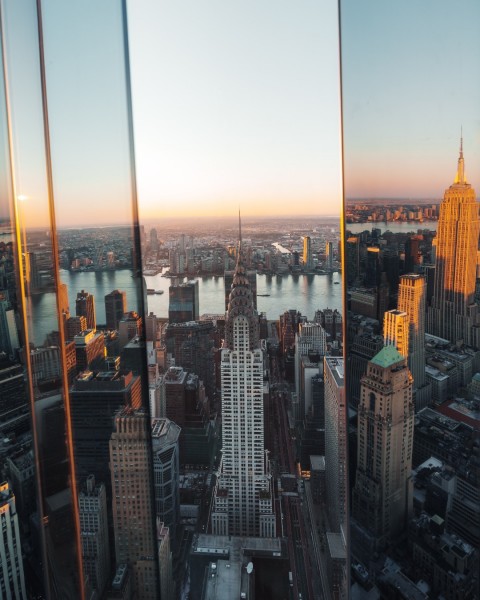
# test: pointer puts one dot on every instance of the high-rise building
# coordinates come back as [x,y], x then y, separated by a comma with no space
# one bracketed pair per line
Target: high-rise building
[115,308]
[396,330]
[132,500]
[243,503]
[12,580]
[129,326]
[85,306]
[14,414]
[183,302]
[381,496]
[166,470]
[335,441]
[412,296]
[373,267]
[92,509]
[307,253]
[95,399]
[352,257]
[164,562]
[453,311]
[329,256]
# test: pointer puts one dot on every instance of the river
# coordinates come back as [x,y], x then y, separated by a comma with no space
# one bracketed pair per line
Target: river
[305,293]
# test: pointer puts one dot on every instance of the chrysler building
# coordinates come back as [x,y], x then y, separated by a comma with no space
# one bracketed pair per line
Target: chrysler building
[243,502]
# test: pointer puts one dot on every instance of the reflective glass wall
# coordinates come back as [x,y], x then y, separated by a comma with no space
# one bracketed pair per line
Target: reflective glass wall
[411,146]
[72,308]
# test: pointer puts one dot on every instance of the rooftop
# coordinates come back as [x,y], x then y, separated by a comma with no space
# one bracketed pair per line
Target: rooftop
[387,357]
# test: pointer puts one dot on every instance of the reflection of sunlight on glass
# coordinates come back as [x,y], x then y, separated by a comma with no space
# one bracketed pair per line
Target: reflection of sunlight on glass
[22,198]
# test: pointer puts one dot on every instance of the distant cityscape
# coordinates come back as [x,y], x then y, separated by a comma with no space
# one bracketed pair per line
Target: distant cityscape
[233,449]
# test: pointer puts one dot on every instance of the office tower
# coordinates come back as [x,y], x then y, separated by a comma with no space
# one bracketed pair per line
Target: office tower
[63,301]
[335,442]
[183,302]
[129,326]
[329,256]
[453,311]
[94,400]
[166,471]
[373,267]
[115,308]
[352,258]
[156,392]
[412,253]
[363,348]
[153,240]
[92,509]
[396,331]
[381,495]
[33,280]
[191,344]
[74,326]
[132,500]
[164,562]
[12,580]
[243,503]
[89,349]
[412,296]
[14,413]
[175,382]
[228,280]
[85,306]
[9,342]
[307,253]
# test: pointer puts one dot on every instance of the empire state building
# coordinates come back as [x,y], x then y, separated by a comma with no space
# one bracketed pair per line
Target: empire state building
[243,503]
[453,311]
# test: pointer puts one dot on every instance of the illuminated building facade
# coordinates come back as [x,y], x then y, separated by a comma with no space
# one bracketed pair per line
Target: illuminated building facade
[396,330]
[453,310]
[307,253]
[12,580]
[85,306]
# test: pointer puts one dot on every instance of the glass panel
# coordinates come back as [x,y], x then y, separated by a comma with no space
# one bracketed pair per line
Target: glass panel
[410,81]
[78,244]
[237,106]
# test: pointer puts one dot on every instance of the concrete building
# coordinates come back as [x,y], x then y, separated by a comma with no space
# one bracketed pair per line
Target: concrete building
[12,580]
[115,308]
[132,500]
[335,442]
[92,508]
[381,496]
[396,331]
[183,303]
[85,307]
[166,469]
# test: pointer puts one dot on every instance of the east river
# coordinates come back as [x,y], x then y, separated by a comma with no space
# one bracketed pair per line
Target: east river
[305,293]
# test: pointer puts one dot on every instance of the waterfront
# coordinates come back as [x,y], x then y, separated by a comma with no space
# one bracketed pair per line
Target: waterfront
[393,226]
[305,293]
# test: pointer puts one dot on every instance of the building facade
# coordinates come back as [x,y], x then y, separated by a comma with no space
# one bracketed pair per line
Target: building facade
[243,502]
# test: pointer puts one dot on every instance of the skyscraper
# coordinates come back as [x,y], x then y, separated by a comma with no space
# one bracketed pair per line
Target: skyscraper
[381,497]
[115,308]
[453,311]
[132,500]
[243,502]
[335,441]
[183,302]
[85,306]
[307,253]
[329,256]
[396,330]
[92,504]
[412,295]
[12,581]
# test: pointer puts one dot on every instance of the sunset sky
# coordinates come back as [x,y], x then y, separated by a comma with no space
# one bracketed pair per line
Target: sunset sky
[237,104]
[410,82]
